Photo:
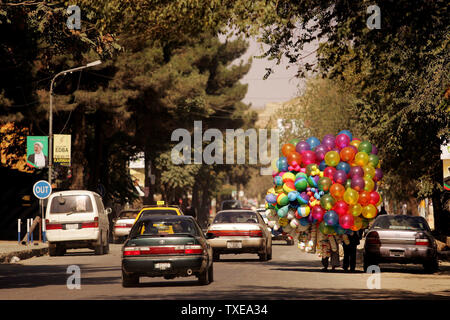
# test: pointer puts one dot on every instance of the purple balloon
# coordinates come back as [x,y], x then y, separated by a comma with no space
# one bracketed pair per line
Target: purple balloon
[378,174]
[321,148]
[356,171]
[302,146]
[329,141]
[374,149]
[331,218]
[342,141]
[340,176]
[358,183]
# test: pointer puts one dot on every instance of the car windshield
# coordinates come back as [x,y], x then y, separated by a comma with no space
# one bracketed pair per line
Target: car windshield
[159,212]
[400,222]
[128,215]
[163,227]
[236,217]
[71,204]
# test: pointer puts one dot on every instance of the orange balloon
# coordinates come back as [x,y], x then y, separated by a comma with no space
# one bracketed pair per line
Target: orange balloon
[294,156]
[347,154]
[364,198]
[287,149]
[337,191]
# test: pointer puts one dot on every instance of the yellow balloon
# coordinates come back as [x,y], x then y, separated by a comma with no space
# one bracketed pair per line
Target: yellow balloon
[356,209]
[288,176]
[355,143]
[369,185]
[357,224]
[369,170]
[332,158]
[279,189]
[369,211]
[351,196]
[271,190]
[361,158]
[283,222]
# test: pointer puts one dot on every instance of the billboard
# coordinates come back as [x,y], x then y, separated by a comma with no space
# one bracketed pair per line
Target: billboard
[37,151]
[62,149]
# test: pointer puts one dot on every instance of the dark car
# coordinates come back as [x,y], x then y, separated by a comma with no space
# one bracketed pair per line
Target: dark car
[230,204]
[166,246]
[400,239]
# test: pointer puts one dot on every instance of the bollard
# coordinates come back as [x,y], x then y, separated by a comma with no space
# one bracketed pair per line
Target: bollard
[28,231]
[31,231]
[18,230]
[43,230]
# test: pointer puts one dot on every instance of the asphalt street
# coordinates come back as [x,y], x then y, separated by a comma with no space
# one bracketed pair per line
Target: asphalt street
[291,274]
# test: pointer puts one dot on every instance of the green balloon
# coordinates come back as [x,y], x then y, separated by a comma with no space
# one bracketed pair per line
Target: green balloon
[373,160]
[324,184]
[301,184]
[327,202]
[294,141]
[348,183]
[326,229]
[365,146]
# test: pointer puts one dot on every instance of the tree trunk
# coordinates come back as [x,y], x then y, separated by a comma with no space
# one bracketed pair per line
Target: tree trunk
[79,162]
[441,220]
[149,176]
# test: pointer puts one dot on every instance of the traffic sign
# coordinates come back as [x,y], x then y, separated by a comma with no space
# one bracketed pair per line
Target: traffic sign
[42,189]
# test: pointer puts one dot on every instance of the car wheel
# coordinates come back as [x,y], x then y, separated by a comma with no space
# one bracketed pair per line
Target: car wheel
[99,247]
[211,273]
[269,255]
[52,251]
[203,278]
[263,256]
[216,256]
[61,250]
[129,280]
[431,266]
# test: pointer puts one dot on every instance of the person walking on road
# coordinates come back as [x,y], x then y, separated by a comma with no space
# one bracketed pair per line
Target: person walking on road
[350,251]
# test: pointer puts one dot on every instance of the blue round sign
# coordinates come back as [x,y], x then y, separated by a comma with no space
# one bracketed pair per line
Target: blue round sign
[42,189]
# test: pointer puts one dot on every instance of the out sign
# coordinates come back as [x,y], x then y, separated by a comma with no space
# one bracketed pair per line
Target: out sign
[42,189]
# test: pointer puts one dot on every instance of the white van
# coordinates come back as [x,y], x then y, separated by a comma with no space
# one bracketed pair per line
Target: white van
[76,219]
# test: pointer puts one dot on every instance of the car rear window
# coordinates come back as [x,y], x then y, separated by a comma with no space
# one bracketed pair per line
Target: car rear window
[71,204]
[158,212]
[401,222]
[163,227]
[236,217]
[232,204]
[128,214]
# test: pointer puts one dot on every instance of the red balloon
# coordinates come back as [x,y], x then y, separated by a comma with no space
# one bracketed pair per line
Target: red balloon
[346,221]
[317,213]
[329,172]
[341,207]
[294,157]
[308,157]
[374,198]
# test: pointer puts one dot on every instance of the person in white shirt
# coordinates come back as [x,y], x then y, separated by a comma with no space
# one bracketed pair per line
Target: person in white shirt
[38,159]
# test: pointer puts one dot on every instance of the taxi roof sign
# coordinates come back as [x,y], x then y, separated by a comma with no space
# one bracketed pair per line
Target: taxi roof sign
[160,203]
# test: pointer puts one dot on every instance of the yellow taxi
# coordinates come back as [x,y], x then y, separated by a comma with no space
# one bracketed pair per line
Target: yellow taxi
[159,209]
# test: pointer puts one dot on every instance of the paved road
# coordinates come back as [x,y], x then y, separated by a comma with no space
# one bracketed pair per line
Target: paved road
[292,274]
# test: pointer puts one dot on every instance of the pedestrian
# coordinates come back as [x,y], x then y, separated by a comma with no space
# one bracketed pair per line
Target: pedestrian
[350,245]
[382,211]
[329,250]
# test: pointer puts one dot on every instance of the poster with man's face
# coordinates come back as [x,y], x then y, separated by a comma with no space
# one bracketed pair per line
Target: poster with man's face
[37,151]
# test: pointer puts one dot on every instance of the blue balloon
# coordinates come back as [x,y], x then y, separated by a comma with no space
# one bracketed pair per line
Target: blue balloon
[303,198]
[313,142]
[343,166]
[322,165]
[282,164]
[293,195]
[278,181]
[282,212]
[339,230]
[304,222]
[271,198]
[348,133]
[331,218]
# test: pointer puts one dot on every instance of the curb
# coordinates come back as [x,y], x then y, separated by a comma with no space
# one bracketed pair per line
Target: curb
[23,254]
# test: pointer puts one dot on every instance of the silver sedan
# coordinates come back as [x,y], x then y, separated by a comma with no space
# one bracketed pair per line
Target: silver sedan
[400,239]
[239,231]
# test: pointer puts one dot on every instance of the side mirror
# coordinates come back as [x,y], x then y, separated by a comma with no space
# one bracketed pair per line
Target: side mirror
[108,211]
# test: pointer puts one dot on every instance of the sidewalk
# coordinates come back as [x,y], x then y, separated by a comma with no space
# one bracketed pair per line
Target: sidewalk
[10,249]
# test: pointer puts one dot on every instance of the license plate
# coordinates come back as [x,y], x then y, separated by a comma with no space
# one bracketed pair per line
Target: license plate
[234,244]
[71,226]
[162,266]
[397,253]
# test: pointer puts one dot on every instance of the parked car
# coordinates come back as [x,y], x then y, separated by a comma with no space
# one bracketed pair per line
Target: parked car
[239,231]
[230,204]
[123,223]
[166,246]
[400,239]
[76,219]
[276,235]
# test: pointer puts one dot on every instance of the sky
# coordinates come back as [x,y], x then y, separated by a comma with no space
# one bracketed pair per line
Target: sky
[281,86]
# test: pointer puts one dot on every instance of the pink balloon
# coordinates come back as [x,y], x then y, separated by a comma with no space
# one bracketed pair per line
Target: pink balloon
[346,221]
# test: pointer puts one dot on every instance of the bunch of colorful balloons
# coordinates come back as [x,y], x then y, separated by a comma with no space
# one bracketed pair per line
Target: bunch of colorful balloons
[331,184]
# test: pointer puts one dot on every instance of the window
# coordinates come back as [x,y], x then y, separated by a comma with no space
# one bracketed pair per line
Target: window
[236,217]
[71,204]
[99,203]
[163,227]
[401,222]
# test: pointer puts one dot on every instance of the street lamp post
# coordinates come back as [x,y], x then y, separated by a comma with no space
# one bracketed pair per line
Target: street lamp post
[50,117]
